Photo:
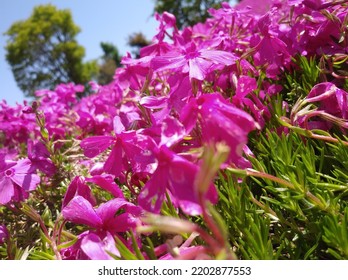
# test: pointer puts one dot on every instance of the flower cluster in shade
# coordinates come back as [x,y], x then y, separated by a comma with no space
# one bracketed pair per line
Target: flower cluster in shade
[208,83]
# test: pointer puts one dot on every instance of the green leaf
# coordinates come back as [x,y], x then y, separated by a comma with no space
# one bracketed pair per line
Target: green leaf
[67,244]
[126,254]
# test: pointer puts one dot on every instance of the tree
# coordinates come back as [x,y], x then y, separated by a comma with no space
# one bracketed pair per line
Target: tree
[187,12]
[110,61]
[137,41]
[43,52]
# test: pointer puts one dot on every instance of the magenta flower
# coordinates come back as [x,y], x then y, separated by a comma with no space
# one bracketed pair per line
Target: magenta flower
[110,218]
[255,7]
[196,62]
[332,108]
[176,175]
[189,253]
[97,246]
[15,125]
[220,122]
[134,74]
[129,150]
[167,21]
[63,93]
[162,106]
[246,99]
[16,180]
[332,99]
[4,234]
[172,131]
[94,145]
[78,187]
[40,157]
[115,216]
[106,182]
[91,246]
[270,52]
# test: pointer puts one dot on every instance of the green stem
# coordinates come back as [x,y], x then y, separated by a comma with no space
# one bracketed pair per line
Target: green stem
[328,139]
[211,224]
[311,197]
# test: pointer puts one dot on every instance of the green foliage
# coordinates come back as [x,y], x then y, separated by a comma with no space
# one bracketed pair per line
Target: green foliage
[137,41]
[110,60]
[43,52]
[294,206]
[187,12]
[301,80]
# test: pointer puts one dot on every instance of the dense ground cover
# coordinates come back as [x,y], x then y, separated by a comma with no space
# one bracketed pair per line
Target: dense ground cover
[224,140]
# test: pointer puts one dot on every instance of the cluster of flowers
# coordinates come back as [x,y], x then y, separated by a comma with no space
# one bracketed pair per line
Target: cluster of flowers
[208,84]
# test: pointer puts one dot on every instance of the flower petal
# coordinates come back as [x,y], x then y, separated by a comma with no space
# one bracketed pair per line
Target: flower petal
[153,193]
[93,146]
[107,183]
[22,175]
[95,248]
[78,187]
[113,218]
[172,131]
[6,190]
[113,164]
[80,211]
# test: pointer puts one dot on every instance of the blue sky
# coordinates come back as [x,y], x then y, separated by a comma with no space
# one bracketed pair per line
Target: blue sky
[100,21]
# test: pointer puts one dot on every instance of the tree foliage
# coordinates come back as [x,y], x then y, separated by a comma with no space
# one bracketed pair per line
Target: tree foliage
[137,41]
[187,12]
[110,60]
[43,52]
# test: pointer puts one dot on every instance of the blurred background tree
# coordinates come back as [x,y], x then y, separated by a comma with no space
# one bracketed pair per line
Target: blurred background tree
[188,12]
[110,60]
[137,41]
[43,52]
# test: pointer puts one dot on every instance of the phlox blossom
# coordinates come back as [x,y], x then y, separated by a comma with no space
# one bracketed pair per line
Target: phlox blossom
[129,149]
[196,62]
[220,121]
[176,175]
[115,216]
[16,180]
[91,246]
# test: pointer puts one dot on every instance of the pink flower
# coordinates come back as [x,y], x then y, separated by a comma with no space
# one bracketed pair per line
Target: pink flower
[91,246]
[129,150]
[332,108]
[176,175]
[167,21]
[220,122]
[16,180]
[78,187]
[246,99]
[106,182]
[4,234]
[111,218]
[255,7]
[40,157]
[197,62]
[115,216]
[331,99]
[94,145]
[97,246]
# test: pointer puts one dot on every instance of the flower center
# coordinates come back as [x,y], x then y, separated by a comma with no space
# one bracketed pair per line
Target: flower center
[9,172]
[192,55]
